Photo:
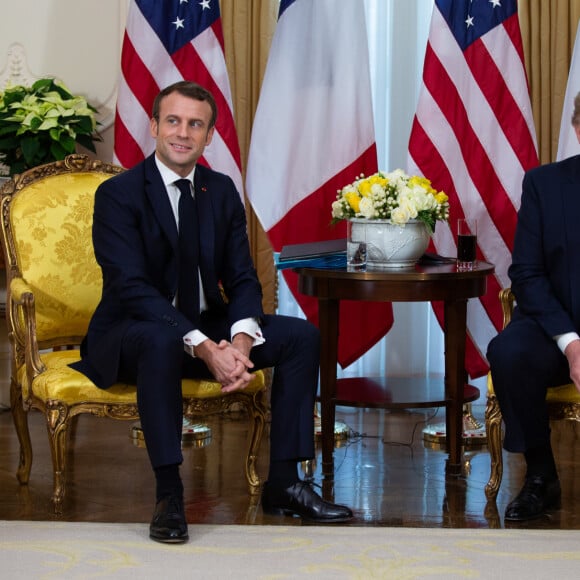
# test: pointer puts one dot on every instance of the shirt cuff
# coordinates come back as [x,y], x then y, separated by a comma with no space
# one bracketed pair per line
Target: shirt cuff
[250,327]
[191,340]
[563,340]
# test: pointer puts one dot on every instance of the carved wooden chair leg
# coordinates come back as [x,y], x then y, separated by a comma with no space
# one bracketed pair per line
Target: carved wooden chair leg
[20,418]
[494,441]
[57,424]
[258,414]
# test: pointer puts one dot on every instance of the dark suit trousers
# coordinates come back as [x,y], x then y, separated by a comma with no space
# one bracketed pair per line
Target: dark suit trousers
[153,358]
[524,363]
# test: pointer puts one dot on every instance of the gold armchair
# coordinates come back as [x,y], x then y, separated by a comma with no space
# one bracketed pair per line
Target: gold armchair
[563,403]
[53,286]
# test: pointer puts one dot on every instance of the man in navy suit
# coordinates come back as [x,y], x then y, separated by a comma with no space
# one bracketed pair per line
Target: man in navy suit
[160,320]
[540,347]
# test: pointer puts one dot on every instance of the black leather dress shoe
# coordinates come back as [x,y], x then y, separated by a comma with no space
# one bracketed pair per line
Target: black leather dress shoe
[301,500]
[168,524]
[538,495]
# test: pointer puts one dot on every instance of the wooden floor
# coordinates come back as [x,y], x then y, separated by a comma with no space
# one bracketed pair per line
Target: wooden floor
[384,471]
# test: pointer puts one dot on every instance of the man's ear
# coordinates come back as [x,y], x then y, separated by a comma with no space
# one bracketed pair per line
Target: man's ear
[153,127]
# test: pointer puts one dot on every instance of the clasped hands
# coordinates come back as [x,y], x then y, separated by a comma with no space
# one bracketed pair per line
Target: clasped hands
[228,361]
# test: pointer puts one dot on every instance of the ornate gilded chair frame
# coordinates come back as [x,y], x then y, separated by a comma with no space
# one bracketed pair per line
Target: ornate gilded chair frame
[39,357]
[563,403]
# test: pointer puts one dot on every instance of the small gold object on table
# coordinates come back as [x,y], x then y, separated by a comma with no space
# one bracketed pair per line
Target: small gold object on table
[474,434]
[193,434]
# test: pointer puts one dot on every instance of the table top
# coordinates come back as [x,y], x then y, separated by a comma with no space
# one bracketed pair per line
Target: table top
[421,271]
[423,282]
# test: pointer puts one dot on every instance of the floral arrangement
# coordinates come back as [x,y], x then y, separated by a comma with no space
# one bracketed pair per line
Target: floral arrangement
[393,196]
[43,123]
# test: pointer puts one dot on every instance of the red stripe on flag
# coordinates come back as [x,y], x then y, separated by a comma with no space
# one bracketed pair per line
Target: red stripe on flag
[129,153]
[137,76]
[480,168]
[187,60]
[314,213]
[507,113]
[418,145]
[219,33]
[314,216]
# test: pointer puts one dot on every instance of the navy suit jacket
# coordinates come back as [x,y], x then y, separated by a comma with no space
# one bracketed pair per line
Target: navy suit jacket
[545,270]
[135,242]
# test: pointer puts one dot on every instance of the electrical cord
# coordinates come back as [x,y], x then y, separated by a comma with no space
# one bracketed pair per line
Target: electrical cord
[356,437]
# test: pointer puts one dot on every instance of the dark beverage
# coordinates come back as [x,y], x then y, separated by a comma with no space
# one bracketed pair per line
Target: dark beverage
[466,248]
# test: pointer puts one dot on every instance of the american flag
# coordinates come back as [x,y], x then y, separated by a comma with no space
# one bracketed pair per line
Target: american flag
[313,133]
[473,136]
[167,41]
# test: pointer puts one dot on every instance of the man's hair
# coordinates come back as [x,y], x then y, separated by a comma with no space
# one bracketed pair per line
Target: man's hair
[576,113]
[187,89]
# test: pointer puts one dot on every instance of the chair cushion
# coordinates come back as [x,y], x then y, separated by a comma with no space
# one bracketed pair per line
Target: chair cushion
[561,394]
[60,382]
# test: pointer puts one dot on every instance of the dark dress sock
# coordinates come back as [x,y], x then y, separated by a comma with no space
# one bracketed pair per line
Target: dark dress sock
[283,473]
[168,481]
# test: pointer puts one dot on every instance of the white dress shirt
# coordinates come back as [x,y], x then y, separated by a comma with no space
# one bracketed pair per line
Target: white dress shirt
[248,326]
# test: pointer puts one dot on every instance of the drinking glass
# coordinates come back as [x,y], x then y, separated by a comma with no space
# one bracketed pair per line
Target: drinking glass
[466,244]
[356,246]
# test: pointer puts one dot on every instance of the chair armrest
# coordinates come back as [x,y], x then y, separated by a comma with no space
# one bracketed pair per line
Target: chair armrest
[22,322]
[507,299]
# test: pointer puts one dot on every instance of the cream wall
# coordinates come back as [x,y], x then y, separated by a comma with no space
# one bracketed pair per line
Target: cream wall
[77,41]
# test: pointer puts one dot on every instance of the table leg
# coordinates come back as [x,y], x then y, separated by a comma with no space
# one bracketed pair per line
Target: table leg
[455,329]
[328,324]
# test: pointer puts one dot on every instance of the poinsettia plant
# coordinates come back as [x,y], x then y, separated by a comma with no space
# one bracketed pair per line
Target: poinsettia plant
[43,123]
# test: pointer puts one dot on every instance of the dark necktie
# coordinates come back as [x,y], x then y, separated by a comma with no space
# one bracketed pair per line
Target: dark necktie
[188,289]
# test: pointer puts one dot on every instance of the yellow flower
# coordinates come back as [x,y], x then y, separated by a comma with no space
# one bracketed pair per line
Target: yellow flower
[420,181]
[365,188]
[395,196]
[353,200]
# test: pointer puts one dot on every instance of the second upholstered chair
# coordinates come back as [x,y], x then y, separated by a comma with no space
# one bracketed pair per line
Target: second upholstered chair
[563,403]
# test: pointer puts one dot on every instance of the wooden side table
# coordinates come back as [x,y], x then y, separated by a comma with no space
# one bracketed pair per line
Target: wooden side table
[423,283]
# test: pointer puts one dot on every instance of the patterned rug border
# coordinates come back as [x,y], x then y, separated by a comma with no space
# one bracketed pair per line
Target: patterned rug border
[69,550]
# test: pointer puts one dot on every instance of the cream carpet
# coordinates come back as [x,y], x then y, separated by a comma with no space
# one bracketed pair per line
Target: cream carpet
[46,550]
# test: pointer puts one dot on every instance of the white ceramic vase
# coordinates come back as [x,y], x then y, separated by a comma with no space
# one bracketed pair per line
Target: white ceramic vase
[389,245]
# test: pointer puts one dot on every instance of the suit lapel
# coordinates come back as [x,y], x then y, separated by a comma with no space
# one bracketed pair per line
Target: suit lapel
[206,222]
[157,195]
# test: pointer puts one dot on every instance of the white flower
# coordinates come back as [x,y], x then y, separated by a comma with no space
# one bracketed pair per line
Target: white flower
[367,208]
[395,196]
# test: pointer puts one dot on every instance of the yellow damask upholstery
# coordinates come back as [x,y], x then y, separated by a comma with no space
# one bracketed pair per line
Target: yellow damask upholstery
[69,386]
[563,403]
[53,287]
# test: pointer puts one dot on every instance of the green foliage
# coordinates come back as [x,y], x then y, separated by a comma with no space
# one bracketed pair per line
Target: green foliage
[43,123]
